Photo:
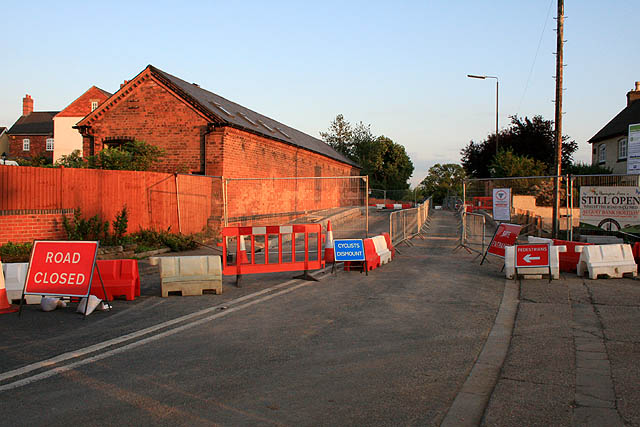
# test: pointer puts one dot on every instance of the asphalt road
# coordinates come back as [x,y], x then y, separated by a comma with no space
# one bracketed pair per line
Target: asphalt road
[390,348]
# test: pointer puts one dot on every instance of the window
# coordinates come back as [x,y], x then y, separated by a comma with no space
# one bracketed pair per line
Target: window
[94,105]
[622,148]
[26,144]
[602,155]
[49,144]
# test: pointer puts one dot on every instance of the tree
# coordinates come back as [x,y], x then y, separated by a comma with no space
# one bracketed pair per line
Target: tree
[443,180]
[132,155]
[580,168]
[507,164]
[385,163]
[532,138]
[340,136]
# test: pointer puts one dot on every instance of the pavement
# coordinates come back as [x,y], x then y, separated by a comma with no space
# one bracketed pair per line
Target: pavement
[432,338]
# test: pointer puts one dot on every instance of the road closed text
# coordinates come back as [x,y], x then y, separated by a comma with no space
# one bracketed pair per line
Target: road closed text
[59,278]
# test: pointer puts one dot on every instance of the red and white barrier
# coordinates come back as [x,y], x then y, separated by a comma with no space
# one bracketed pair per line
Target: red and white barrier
[377,251]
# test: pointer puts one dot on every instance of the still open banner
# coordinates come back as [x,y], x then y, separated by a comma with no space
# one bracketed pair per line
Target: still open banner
[61,268]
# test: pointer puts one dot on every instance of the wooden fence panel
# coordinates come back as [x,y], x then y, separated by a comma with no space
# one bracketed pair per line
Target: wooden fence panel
[151,198]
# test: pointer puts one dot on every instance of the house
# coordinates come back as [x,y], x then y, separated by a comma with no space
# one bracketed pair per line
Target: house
[4,141]
[67,139]
[609,147]
[204,133]
[32,135]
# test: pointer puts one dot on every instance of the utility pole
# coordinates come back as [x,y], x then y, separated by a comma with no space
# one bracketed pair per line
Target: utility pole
[558,132]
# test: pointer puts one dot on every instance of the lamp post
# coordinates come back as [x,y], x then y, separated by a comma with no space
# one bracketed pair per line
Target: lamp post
[473,76]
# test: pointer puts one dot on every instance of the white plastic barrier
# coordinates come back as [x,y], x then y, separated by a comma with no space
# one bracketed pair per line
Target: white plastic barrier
[15,274]
[379,206]
[189,275]
[612,260]
[533,272]
[381,249]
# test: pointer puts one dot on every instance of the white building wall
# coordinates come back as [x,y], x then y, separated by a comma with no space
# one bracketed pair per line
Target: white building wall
[66,139]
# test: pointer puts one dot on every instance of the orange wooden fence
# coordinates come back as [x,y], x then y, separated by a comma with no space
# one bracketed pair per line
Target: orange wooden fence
[160,201]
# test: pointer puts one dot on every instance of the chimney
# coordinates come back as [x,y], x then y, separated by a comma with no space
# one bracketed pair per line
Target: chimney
[634,95]
[27,105]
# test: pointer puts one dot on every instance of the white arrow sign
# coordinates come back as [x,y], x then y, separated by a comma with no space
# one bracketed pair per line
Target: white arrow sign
[529,258]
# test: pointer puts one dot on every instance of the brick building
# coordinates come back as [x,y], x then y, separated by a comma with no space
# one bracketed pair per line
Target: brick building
[67,139]
[204,133]
[32,135]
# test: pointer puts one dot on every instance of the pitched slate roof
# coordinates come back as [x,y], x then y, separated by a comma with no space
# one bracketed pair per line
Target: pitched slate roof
[619,125]
[228,112]
[36,123]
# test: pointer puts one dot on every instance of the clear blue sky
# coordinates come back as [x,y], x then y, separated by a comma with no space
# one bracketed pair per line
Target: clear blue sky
[400,66]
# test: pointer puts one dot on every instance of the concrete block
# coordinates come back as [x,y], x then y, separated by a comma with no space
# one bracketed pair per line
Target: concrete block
[613,261]
[383,252]
[15,274]
[189,274]
[533,272]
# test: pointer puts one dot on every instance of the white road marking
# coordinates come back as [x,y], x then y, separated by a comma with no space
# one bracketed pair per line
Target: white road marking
[133,335]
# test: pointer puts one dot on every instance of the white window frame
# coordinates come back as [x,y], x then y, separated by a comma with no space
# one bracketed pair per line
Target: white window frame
[26,144]
[623,149]
[49,146]
[94,106]
[602,153]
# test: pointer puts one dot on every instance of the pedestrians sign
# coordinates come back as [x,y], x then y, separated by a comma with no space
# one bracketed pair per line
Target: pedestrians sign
[349,250]
[505,235]
[532,255]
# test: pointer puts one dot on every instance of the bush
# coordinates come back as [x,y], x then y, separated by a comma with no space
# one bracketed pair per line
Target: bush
[132,155]
[16,252]
[82,229]
[120,225]
[151,239]
[73,160]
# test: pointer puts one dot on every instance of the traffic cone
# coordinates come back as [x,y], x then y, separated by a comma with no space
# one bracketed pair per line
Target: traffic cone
[5,307]
[243,258]
[329,255]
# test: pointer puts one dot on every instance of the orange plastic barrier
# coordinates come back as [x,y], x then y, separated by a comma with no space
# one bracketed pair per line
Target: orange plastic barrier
[120,277]
[273,262]
[636,252]
[480,203]
[568,261]
[371,256]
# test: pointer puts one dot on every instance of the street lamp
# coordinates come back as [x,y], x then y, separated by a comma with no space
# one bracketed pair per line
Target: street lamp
[473,76]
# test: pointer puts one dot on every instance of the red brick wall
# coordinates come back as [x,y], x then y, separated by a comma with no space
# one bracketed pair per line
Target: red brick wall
[28,225]
[82,105]
[152,114]
[38,146]
[249,155]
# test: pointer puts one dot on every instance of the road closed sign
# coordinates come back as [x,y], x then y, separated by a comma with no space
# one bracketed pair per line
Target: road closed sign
[532,255]
[61,268]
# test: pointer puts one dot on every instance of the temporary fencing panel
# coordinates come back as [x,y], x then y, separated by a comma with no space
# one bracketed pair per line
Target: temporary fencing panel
[532,201]
[533,198]
[272,249]
[407,223]
[473,231]
[259,201]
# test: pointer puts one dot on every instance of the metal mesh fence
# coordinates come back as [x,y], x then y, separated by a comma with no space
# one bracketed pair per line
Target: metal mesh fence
[532,201]
[407,223]
[533,197]
[279,201]
[474,232]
